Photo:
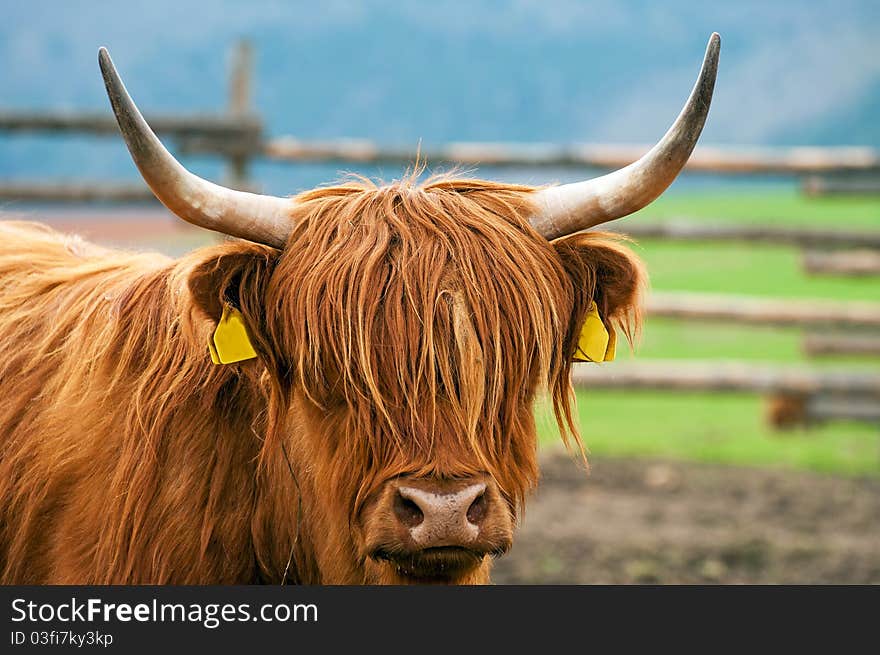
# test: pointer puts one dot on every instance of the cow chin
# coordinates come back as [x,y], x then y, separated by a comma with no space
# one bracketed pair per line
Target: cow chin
[441,566]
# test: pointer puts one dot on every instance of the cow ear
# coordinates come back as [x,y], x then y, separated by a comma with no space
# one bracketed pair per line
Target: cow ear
[602,269]
[234,274]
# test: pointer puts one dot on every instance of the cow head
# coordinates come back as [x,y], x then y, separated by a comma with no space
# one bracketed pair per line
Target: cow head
[403,332]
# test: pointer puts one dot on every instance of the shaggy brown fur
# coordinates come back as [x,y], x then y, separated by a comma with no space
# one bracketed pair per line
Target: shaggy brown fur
[404,329]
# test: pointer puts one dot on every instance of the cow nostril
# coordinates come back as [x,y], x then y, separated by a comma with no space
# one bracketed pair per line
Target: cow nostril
[478,509]
[407,511]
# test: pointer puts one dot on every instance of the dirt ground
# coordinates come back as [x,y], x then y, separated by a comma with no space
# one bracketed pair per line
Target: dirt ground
[648,521]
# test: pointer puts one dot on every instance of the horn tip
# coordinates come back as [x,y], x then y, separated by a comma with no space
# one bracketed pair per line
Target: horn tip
[104,60]
[713,50]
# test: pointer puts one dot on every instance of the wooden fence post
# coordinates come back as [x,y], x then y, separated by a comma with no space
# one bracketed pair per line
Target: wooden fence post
[240,84]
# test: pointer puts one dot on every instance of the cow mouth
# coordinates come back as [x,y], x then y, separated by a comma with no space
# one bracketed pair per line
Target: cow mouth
[432,565]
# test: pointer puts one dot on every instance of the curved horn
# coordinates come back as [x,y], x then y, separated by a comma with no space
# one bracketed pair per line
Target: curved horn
[574,207]
[262,219]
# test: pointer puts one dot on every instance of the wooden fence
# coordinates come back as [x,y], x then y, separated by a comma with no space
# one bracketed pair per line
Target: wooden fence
[795,396]
[674,375]
[835,344]
[787,235]
[238,135]
[855,263]
[765,311]
[840,252]
[705,159]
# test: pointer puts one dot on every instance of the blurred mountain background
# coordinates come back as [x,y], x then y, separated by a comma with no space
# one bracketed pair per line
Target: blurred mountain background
[400,72]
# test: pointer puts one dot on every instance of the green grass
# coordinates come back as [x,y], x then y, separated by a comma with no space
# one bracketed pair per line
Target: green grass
[730,428]
[768,207]
[712,428]
[748,270]
[670,339]
[762,270]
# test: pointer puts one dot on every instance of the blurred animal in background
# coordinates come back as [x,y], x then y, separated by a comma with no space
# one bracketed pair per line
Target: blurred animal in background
[786,411]
[341,394]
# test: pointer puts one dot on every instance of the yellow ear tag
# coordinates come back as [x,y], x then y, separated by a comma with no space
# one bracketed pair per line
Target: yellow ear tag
[595,344]
[611,350]
[230,342]
[211,349]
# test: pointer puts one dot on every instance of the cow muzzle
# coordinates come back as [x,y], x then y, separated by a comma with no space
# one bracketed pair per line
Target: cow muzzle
[438,529]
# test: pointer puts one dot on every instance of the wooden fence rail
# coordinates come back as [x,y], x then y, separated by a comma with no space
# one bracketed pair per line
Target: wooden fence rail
[705,159]
[683,230]
[821,409]
[818,345]
[837,186]
[764,311]
[216,126]
[71,192]
[726,376]
[851,263]
[212,132]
